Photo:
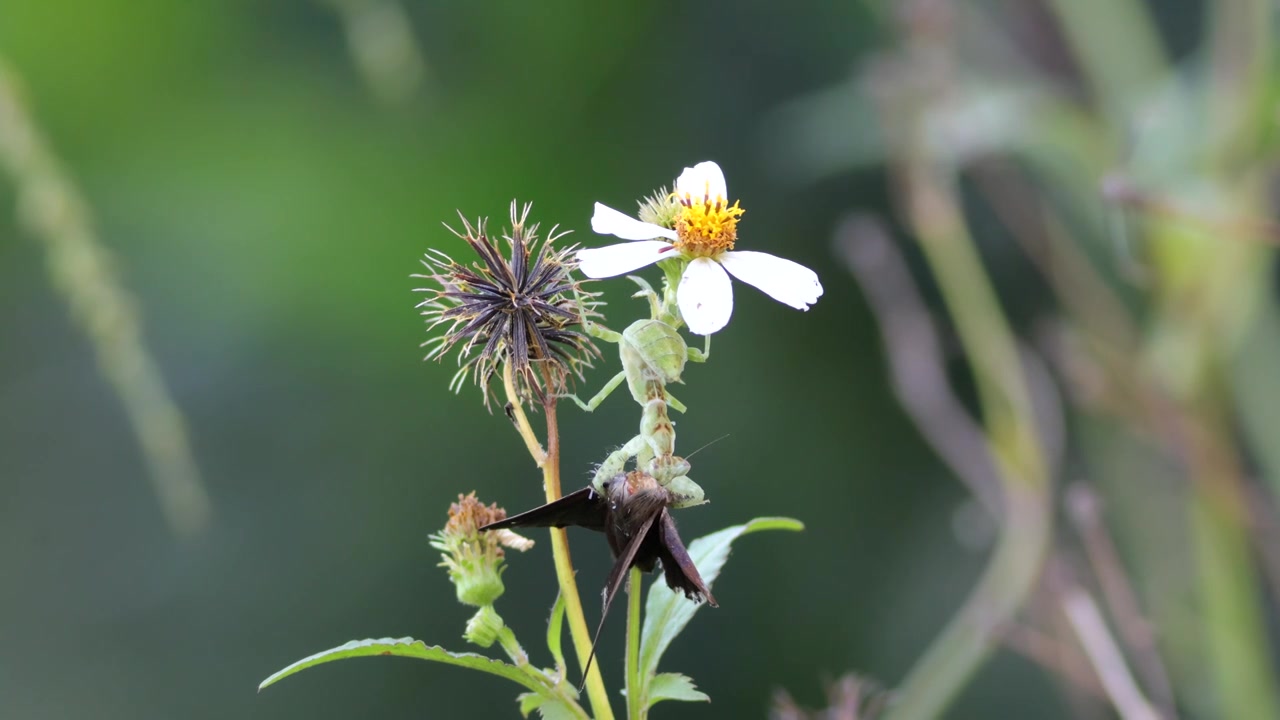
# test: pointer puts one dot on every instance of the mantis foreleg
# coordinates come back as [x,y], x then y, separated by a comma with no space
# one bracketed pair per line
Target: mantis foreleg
[616,462]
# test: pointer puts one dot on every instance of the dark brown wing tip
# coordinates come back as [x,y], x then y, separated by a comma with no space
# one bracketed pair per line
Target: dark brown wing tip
[699,595]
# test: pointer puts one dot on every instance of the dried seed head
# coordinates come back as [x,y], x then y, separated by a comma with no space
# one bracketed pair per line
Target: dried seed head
[520,309]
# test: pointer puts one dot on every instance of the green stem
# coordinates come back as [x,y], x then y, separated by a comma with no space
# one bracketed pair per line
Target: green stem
[974,632]
[1238,656]
[1240,98]
[549,462]
[507,639]
[635,703]
[578,629]
[1239,661]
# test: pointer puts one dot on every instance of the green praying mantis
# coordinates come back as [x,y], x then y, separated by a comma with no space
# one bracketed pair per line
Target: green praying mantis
[653,356]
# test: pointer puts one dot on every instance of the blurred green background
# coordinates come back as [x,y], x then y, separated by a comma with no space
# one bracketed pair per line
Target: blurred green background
[266,201]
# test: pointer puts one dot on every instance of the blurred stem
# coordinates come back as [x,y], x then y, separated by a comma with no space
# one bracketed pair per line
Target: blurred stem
[1240,97]
[1118,47]
[1252,367]
[383,48]
[1238,655]
[635,703]
[549,461]
[53,211]
[972,635]
[1055,656]
[1084,510]
[916,363]
[1086,620]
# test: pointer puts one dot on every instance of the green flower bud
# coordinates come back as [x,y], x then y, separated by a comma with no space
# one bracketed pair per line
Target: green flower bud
[475,559]
[483,627]
[661,209]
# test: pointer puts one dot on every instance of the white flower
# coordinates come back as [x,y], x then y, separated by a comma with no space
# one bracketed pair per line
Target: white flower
[706,228]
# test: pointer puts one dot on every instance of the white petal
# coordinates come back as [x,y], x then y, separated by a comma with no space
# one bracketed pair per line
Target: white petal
[785,281]
[622,258]
[607,221]
[705,297]
[702,180]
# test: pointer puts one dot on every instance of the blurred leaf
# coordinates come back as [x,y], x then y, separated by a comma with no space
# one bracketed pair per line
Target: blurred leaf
[410,648]
[667,613]
[810,139]
[674,686]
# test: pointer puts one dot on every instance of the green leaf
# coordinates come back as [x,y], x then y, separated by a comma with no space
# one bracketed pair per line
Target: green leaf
[674,686]
[557,710]
[530,702]
[555,633]
[410,648]
[549,708]
[667,613]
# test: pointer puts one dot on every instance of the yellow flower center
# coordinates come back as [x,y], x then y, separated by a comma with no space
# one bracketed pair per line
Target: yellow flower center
[706,226]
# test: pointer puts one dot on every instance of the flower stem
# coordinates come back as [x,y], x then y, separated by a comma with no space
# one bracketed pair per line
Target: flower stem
[635,703]
[555,687]
[507,639]
[515,411]
[578,629]
[549,461]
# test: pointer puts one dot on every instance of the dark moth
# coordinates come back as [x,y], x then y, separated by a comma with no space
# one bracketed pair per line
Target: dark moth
[632,513]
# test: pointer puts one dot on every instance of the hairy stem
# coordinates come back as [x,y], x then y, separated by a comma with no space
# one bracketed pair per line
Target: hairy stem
[507,639]
[1009,419]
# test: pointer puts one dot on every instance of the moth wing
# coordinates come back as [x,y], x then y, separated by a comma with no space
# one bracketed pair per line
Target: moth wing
[678,568]
[581,508]
[616,577]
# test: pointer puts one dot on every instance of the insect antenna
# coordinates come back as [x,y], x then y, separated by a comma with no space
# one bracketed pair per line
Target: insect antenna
[704,447]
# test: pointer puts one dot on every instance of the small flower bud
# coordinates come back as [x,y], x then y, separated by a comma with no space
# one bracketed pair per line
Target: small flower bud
[483,627]
[661,209]
[475,559]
